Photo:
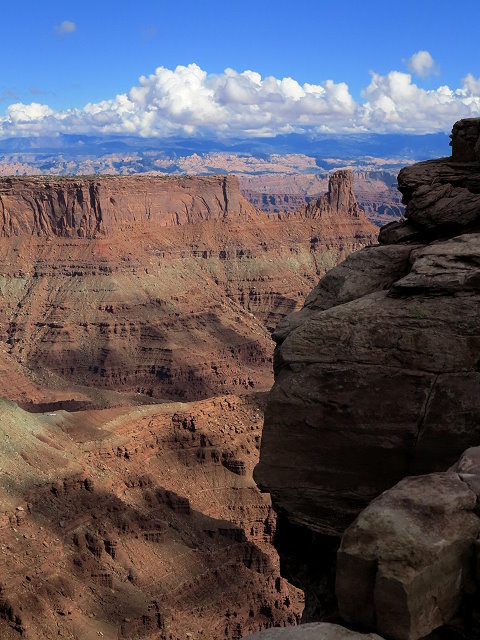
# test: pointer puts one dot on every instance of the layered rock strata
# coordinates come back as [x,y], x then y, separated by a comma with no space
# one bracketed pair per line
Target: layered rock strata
[339,200]
[377,377]
[164,287]
[138,522]
[378,198]
[87,207]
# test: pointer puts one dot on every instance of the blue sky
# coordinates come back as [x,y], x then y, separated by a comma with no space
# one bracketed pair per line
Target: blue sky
[66,54]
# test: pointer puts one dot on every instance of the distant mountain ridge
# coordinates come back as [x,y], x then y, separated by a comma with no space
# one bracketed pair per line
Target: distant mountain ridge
[347,146]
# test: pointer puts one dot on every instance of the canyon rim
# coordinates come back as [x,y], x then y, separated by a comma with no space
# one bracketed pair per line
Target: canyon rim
[239,321]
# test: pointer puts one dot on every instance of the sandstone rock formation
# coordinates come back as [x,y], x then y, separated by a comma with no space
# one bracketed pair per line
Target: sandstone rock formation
[466,140]
[374,191]
[164,287]
[339,200]
[87,207]
[377,377]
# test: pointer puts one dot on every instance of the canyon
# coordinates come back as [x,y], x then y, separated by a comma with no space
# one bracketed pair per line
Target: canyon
[137,522]
[370,442]
[136,316]
[164,288]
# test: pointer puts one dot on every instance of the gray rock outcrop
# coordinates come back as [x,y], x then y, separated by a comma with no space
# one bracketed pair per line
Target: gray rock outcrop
[378,376]
[406,563]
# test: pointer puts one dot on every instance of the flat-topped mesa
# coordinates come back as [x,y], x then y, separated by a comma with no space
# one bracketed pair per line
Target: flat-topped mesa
[92,206]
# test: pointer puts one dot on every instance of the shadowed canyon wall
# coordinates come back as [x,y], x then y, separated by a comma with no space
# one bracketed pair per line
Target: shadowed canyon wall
[377,378]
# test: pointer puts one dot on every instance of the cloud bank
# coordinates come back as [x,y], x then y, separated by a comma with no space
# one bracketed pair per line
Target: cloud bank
[189,101]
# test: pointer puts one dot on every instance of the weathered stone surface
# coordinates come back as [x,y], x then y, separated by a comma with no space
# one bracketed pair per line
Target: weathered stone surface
[377,377]
[361,273]
[356,402]
[443,205]
[406,562]
[466,140]
[443,171]
[444,195]
[398,231]
[312,631]
[444,267]
[468,469]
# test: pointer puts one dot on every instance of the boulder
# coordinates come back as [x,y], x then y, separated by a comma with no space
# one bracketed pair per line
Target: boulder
[398,231]
[450,267]
[406,562]
[466,140]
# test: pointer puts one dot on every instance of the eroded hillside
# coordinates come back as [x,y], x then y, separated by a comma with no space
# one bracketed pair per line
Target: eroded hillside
[137,523]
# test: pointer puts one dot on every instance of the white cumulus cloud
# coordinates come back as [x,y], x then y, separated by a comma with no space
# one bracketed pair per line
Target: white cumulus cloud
[421,63]
[395,103]
[471,84]
[189,101]
[65,27]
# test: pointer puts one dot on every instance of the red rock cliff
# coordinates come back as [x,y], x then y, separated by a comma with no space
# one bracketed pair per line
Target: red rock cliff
[161,286]
[87,207]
